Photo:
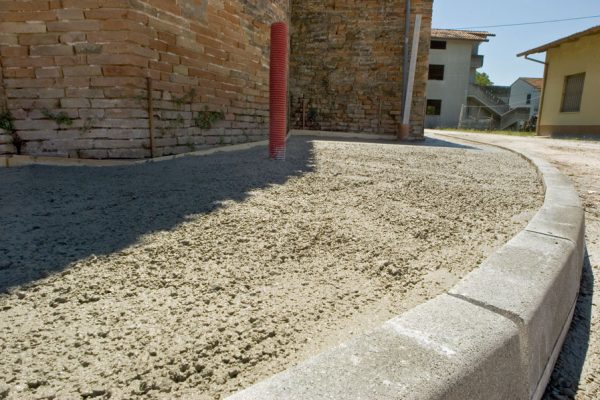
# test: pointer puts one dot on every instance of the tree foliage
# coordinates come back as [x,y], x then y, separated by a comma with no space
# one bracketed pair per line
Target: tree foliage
[483,79]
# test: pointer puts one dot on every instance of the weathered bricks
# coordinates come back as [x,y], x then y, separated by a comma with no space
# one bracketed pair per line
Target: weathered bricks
[49,72]
[70,26]
[82,70]
[38,39]
[91,59]
[51,50]
[22,27]
[346,65]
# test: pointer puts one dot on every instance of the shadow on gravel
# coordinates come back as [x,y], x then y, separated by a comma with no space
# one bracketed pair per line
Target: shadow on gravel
[53,216]
[433,142]
[428,142]
[567,372]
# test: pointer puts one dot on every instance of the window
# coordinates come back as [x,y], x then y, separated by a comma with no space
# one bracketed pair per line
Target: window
[528,101]
[434,107]
[572,93]
[438,45]
[436,72]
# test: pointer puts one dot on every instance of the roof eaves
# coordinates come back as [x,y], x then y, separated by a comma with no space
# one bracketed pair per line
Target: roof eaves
[556,43]
[535,83]
[457,34]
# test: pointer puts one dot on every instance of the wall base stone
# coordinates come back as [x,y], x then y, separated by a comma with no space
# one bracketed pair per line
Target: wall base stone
[6,144]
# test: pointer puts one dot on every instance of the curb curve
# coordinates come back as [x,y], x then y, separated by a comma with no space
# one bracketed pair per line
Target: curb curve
[495,335]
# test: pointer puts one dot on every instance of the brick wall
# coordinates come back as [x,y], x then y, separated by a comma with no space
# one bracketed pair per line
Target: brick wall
[2,92]
[346,65]
[6,143]
[76,72]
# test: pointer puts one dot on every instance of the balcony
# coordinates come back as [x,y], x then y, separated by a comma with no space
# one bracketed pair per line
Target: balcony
[476,61]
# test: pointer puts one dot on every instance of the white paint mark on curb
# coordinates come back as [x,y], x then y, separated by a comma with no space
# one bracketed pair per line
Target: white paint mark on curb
[422,339]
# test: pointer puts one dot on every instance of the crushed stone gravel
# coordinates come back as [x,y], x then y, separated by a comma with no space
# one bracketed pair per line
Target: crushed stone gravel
[197,277]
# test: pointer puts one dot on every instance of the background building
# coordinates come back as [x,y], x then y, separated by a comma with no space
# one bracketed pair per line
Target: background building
[571,92]
[526,93]
[453,61]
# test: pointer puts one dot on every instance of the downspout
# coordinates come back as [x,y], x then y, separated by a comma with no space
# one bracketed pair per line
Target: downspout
[539,120]
[534,60]
[406,53]
[406,114]
[405,64]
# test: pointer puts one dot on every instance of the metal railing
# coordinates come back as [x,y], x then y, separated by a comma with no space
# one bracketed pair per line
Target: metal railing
[489,99]
[520,114]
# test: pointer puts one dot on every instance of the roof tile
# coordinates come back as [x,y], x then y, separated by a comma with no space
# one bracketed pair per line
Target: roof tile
[460,35]
[535,82]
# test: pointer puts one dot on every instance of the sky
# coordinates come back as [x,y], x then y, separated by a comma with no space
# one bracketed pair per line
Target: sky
[500,52]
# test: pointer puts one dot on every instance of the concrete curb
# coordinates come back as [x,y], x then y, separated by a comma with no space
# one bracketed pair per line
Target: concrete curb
[495,335]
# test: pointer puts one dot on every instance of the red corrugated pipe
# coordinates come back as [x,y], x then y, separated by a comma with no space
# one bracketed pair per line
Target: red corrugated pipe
[278,91]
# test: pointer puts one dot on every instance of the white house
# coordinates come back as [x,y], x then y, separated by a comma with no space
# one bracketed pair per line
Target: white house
[453,61]
[526,92]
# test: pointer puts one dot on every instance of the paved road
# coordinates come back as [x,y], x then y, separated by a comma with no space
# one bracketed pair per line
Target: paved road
[577,372]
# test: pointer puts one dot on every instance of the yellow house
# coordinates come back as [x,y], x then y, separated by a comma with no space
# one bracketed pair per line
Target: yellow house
[570,102]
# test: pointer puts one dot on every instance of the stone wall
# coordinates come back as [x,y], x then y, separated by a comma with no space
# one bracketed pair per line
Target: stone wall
[6,143]
[76,74]
[347,61]
[2,92]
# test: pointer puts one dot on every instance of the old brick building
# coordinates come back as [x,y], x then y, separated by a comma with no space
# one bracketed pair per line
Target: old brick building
[76,74]
[347,65]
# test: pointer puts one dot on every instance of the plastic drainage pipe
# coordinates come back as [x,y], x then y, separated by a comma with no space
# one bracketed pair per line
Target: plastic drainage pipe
[278,91]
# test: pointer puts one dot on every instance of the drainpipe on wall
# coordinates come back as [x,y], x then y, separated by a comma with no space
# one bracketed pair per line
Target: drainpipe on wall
[405,127]
[405,130]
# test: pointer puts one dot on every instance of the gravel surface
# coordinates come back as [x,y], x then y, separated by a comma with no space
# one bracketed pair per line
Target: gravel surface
[577,371]
[196,277]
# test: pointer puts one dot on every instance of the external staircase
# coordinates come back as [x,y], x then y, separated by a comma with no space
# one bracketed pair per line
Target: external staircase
[503,116]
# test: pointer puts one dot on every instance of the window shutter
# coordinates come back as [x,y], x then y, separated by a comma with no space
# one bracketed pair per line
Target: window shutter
[573,93]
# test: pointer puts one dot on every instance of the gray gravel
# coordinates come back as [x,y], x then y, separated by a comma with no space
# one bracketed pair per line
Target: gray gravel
[196,277]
